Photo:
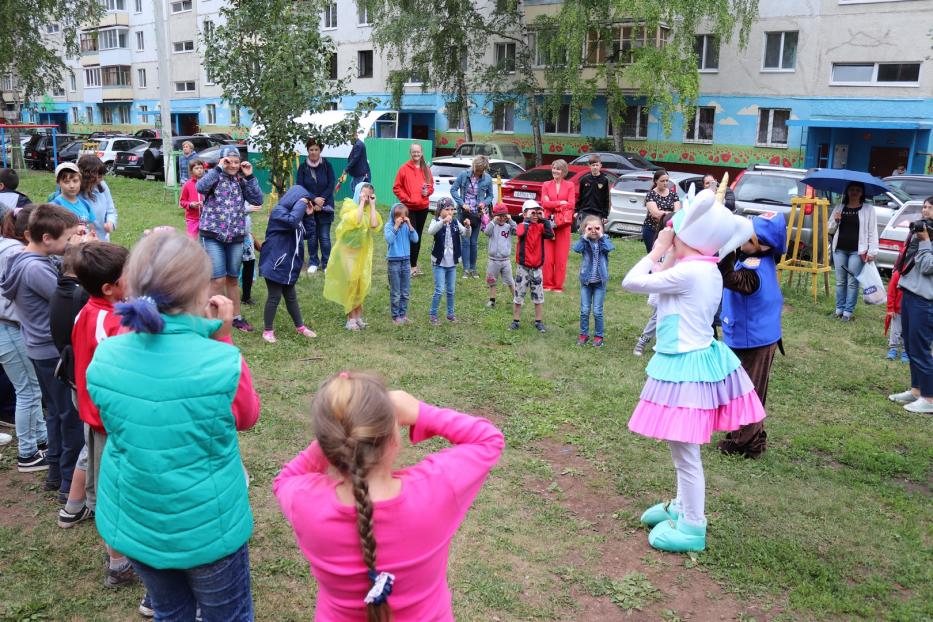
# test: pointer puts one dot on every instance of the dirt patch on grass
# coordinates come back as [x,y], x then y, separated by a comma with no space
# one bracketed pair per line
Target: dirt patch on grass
[21,495]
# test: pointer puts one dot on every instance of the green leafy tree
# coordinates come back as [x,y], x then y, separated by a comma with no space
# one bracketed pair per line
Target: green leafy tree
[270,58]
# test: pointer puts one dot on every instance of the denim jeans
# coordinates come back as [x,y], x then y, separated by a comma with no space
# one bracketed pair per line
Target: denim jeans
[917,329]
[319,236]
[65,430]
[445,279]
[648,234]
[848,265]
[469,245]
[591,298]
[226,257]
[221,589]
[30,425]
[399,286]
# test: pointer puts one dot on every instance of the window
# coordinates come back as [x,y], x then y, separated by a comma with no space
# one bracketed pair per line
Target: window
[208,28]
[330,15]
[141,78]
[112,39]
[106,114]
[212,114]
[780,51]
[75,114]
[503,117]
[543,55]
[143,109]
[92,77]
[184,87]
[181,6]
[886,74]
[700,128]
[619,43]
[564,123]
[58,91]
[330,106]
[772,127]
[362,15]
[89,112]
[234,115]
[208,75]
[88,42]
[635,125]
[332,66]
[140,41]
[364,64]
[139,6]
[183,46]
[454,117]
[707,50]
[116,75]
[72,83]
[123,116]
[51,29]
[115,5]
[505,57]
[415,78]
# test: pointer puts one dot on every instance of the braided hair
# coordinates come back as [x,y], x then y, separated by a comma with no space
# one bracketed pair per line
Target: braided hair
[354,423]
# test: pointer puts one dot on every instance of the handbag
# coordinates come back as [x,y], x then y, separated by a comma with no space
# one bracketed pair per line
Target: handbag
[563,217]
[873,292]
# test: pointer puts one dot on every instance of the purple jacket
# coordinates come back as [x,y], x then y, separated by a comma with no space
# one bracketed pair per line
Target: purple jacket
[223,216]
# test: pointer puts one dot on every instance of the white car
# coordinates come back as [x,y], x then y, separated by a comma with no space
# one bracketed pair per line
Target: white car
[627,198]
[107,148]
[445,171]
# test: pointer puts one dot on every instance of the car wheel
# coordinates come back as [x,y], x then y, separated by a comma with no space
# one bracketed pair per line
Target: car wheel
[109,167]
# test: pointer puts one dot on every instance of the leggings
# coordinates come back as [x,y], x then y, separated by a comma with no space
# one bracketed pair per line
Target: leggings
[276,290]
[691,487]
[249,268]
[418,218]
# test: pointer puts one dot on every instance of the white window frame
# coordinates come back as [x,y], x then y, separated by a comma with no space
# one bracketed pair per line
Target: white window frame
[104,36]
[503,107]
[72,82]
[92,77]
[143,108]
[89,110]
[58,91]
[362,13]
[764,52]
[181,6]
[874,76]
[770,142]
[454,123]
[641,129]
[696,127]
[141,81]
[211,110]
[75,114]
[235,115]
[114,5]
[138,6]
[106,114]
[701,62]
[504,47]
[329,20]
[570,129]
[52,29]
[140,40]
[193,83]
[186,47]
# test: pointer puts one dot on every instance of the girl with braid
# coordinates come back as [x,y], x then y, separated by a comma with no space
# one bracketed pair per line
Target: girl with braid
[378,538]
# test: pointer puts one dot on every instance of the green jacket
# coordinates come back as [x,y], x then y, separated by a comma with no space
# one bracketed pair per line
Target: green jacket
[171,491]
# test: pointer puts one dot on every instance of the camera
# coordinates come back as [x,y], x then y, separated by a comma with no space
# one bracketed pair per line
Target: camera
[924,224]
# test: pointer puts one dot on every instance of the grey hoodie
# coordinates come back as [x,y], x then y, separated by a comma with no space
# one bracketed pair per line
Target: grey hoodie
[500,239]
[8,248]
[29,281]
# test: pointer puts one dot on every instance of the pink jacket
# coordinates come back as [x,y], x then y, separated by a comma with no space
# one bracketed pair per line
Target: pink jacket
[413,531]
[189,195]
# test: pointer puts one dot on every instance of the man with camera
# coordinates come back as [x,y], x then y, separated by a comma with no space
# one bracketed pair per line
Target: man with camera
[915,266]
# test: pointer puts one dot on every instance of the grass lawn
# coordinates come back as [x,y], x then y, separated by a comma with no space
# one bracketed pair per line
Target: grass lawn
[833,523]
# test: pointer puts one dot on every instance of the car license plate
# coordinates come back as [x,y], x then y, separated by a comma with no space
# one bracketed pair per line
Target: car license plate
[627,227]
[525,195]
[121,168]
[150,177]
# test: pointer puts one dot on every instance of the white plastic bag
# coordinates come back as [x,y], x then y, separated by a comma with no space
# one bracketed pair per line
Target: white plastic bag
[873,290]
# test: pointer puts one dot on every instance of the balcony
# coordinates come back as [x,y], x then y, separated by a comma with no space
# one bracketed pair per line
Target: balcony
[115,18]
[117,93]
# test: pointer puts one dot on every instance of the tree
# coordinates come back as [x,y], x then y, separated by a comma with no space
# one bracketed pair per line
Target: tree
[439,42]
[270,58]
[633,48]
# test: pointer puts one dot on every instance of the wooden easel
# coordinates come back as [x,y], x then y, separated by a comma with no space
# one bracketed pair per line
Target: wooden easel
[819,257]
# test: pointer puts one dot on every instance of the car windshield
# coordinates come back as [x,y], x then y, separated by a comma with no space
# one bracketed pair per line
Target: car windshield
[637,160]
[639,185]
[773,189]
[537,175]
[907,215]
[448,170]
[917,188]
[511,150]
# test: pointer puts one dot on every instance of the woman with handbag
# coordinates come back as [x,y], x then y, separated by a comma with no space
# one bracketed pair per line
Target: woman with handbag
[854,228]
[472,193]
[558,198]
[660,199]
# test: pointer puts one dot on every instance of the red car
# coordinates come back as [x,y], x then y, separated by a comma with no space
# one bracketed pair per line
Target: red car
[528,185]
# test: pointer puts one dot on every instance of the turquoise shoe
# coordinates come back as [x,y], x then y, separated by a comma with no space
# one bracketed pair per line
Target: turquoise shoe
[659,513]
[678,536]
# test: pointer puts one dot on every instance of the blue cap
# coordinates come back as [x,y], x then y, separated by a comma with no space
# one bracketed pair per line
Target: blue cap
[229,152]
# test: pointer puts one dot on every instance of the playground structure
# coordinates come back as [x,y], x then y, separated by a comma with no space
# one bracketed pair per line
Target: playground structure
[818,262]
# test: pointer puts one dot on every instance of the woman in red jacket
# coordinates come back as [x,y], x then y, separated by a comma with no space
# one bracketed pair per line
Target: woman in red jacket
[559,197]
[413,185]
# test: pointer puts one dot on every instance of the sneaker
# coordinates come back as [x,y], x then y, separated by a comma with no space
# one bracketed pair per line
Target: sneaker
[352,325]
[119,578]
[361,322]
[312,269]
[241,324]
[145,607]
[582,339]
[304,331]
[51,485]
[452,319]
[540,326]
[640,346]
[404,320]
[892,354]
[33,463]
[837,314]
[5,439]
[490,303]
[475,274]
[904,358]
[515,325]
[62,498]
[905,397]
[847,317]
[398,321]
[269,336]
[920,406]
[597,342]
[466,275]
[43,447]
[249,301]
[67,519]
[434,320]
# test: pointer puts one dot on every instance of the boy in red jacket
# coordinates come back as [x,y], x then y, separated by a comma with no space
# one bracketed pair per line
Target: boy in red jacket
[529,257]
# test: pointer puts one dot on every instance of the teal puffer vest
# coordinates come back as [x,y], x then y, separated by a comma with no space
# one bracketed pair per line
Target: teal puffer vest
[171,491]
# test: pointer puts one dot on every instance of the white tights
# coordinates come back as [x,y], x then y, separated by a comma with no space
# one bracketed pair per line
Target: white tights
[691,487]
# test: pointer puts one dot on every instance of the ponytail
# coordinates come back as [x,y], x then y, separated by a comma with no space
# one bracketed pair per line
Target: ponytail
[377,606]
[140,314]
[426,171]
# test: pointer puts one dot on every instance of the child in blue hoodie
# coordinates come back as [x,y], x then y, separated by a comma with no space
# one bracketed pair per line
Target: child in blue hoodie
[595,247]
[281,258]
[399,235]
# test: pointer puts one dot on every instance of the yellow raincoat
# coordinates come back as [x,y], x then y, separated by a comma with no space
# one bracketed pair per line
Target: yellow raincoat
[350,268]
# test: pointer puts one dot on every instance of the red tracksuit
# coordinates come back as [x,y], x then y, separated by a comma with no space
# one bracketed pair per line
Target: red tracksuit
[557,250]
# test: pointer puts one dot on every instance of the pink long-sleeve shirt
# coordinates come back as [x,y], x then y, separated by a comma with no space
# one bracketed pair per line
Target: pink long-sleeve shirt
[412,531]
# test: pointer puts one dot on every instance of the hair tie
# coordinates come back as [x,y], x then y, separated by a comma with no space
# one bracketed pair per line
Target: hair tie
[344,374]
[140,314]
[382,587]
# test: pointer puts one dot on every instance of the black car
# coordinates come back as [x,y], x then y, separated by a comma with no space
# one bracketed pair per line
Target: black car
[618,163]
[130,163]
[70,152]
[211,156]
[153,161]
[38,151]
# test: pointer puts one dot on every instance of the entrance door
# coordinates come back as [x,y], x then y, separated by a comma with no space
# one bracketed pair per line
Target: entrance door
[883,160]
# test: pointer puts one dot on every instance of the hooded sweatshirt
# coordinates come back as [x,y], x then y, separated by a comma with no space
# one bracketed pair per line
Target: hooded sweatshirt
[500,239]
[29,281]
[8,248]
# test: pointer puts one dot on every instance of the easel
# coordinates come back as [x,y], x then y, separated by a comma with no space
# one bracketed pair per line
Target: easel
[819,241]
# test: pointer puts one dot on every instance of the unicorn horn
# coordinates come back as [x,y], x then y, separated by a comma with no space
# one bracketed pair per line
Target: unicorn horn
[721,190]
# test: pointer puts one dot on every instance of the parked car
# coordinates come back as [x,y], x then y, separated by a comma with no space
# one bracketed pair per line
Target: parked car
[919,187]
[38,151]
[70,152]
[147,133]
[222,137]
[211,155]
[445,171]
[130,163]
[106,148]
[528,185]
[153,161]
[499,151]
[618,163]
[627,213]
[892,238]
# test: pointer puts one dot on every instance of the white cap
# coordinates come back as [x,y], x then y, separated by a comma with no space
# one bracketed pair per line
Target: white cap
[530,204]
[67,166]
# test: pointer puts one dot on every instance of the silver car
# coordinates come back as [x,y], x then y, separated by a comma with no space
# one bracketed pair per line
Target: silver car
[627,197]
[445,171]
[894,234]
[918,187]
